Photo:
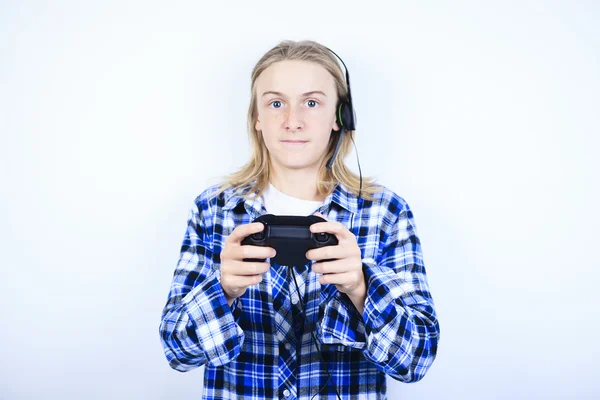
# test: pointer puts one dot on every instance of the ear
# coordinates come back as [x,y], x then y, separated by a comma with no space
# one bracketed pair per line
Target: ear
[257,124]
[335,125]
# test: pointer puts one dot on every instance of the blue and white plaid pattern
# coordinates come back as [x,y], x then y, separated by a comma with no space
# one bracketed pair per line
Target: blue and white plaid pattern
[251,351]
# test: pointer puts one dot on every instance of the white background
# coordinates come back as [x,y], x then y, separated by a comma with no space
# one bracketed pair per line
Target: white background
[114,116]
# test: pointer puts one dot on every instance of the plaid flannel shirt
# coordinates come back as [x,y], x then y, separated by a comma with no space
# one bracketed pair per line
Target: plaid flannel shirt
[253,348]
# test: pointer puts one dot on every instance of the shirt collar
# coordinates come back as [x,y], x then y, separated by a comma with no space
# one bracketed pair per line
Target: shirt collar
[340,195]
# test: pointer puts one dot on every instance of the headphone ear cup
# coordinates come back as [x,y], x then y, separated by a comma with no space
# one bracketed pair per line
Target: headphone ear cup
[345,117]
[338,115]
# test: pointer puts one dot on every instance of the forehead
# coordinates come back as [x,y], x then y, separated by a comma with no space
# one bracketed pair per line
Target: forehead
[293,77]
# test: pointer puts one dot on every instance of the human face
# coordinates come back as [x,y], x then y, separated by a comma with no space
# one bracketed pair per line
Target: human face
[296,101]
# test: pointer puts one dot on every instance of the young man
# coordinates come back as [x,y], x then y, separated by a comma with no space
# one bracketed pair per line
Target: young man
[370,309]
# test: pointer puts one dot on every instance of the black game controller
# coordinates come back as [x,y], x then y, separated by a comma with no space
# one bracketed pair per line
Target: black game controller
[291,237]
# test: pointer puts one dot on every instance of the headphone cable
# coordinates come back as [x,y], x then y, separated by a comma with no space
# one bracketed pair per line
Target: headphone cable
[291,269]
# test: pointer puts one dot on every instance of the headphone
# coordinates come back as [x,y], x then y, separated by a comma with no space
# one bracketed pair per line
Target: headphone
[346,119]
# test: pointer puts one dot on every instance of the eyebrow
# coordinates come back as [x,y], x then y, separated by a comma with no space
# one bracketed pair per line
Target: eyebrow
[303,94]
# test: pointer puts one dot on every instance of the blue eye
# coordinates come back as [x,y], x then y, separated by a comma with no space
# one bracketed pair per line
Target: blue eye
[312,103]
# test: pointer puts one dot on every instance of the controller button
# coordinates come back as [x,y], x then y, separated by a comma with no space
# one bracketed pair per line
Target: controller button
[321,236]
[258,235]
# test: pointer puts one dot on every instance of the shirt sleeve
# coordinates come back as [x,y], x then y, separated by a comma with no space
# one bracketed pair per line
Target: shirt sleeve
[340,322]
[197,325]
[398,331]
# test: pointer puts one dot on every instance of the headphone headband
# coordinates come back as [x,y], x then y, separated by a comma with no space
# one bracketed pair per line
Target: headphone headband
[346,117]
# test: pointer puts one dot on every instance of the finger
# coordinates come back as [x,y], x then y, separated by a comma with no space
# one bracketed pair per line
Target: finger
[242,282]
[251,251]
[337,279]
[244,268]
[333,267]
[323,253]
[321,215]
[242,231]
[333,227]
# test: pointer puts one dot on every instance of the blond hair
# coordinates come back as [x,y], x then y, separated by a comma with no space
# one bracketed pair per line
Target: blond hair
[258,168]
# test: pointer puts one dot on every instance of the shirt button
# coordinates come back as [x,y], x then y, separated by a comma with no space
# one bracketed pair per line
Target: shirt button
[288,346]
[286,393]
[294,300]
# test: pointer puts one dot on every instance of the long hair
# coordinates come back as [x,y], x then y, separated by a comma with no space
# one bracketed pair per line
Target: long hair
[258,168]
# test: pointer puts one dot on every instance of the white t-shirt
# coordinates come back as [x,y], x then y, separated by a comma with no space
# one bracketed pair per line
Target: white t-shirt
[279,203]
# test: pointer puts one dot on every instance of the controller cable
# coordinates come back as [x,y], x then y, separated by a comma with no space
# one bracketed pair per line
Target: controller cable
[291,270]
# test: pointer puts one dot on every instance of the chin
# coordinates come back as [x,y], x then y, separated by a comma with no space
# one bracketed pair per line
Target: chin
[292,163]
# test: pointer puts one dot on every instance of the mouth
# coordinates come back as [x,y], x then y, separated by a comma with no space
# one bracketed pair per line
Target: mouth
[294,141]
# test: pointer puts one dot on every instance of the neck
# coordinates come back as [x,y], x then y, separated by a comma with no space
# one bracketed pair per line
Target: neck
[297,183]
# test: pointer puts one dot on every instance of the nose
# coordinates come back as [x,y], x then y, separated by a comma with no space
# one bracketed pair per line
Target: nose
[293,120]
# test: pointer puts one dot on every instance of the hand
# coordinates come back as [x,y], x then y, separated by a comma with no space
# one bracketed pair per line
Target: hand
[346,271]
[237,274]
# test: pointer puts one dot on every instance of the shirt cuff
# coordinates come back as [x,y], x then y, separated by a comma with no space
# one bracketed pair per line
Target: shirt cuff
[341,323]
